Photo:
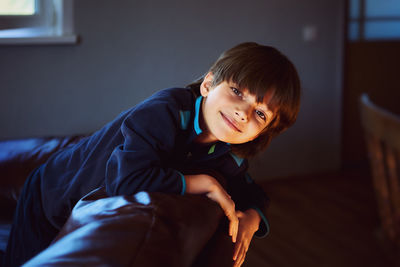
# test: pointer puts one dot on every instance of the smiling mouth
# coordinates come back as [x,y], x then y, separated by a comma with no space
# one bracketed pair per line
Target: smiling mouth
[230,123]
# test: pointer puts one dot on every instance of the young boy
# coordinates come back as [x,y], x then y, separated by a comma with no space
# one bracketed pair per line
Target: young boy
[250,95]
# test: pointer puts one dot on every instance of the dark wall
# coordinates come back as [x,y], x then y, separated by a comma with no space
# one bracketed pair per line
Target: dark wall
[372,67]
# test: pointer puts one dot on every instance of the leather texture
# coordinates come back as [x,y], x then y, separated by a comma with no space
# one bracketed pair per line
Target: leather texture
[147,229]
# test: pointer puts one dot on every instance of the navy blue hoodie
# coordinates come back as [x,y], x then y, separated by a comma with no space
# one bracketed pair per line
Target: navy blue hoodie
[146,148]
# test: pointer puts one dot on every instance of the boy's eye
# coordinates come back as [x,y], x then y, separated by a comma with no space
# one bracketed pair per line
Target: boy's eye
[261,114]
[236,91]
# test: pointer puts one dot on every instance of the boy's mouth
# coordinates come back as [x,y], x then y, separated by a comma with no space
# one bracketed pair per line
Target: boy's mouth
[230,122]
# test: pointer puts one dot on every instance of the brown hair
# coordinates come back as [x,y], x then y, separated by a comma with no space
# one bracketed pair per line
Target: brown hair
[259,69]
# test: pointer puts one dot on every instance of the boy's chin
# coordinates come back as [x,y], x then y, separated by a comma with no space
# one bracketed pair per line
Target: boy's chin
[226,138]
[231,141]
[234,141]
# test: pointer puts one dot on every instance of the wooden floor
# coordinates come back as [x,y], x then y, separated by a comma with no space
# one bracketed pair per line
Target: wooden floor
[326,220]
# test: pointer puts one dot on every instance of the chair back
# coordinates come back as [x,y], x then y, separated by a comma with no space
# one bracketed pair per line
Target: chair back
[382,135]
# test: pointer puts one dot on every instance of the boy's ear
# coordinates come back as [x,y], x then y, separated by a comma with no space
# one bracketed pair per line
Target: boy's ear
[206,85]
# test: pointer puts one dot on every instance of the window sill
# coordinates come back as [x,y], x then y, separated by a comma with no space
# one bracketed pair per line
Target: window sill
[29,36]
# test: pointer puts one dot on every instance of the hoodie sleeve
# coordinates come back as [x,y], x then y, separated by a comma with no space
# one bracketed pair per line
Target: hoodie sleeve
[150,132]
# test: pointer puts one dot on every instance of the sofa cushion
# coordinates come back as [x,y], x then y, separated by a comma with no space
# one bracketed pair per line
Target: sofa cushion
[17,159]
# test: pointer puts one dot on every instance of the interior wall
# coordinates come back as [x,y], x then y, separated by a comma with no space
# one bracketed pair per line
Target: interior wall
[130,49]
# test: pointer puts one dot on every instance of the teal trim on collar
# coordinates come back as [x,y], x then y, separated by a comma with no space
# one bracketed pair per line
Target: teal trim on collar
[197,114]
[185,116]
[237,159]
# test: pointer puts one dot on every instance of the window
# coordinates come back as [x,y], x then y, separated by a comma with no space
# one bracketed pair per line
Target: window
[374,20]
[17,7]
[36,22]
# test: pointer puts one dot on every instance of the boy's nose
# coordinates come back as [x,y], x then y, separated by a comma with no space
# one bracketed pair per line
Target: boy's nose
[241,115]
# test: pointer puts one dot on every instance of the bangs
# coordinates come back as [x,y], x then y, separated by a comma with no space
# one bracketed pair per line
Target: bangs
[259,76]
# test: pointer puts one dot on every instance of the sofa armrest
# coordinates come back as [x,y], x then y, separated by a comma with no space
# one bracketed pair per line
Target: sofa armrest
[147,229]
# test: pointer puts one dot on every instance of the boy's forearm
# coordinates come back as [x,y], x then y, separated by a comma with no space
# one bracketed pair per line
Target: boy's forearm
[198,184]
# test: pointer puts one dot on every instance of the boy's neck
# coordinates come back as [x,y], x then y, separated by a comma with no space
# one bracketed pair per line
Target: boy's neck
[205,139]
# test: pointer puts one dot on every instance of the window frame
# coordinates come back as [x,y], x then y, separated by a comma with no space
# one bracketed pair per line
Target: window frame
[362,19]
[51,24]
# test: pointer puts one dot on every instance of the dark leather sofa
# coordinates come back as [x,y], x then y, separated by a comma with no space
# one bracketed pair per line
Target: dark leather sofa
[146,229]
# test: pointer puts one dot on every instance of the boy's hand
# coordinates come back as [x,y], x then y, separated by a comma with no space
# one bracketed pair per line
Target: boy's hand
[219,195]
[206,184]
[248,225]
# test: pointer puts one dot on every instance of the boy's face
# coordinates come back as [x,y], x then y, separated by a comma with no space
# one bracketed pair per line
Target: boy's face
[232,115]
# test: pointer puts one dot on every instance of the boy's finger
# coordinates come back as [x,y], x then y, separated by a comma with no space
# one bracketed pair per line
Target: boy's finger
[237,249]
[239,213]
[233,226]
[232,231]
[241,256]
[235,230]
